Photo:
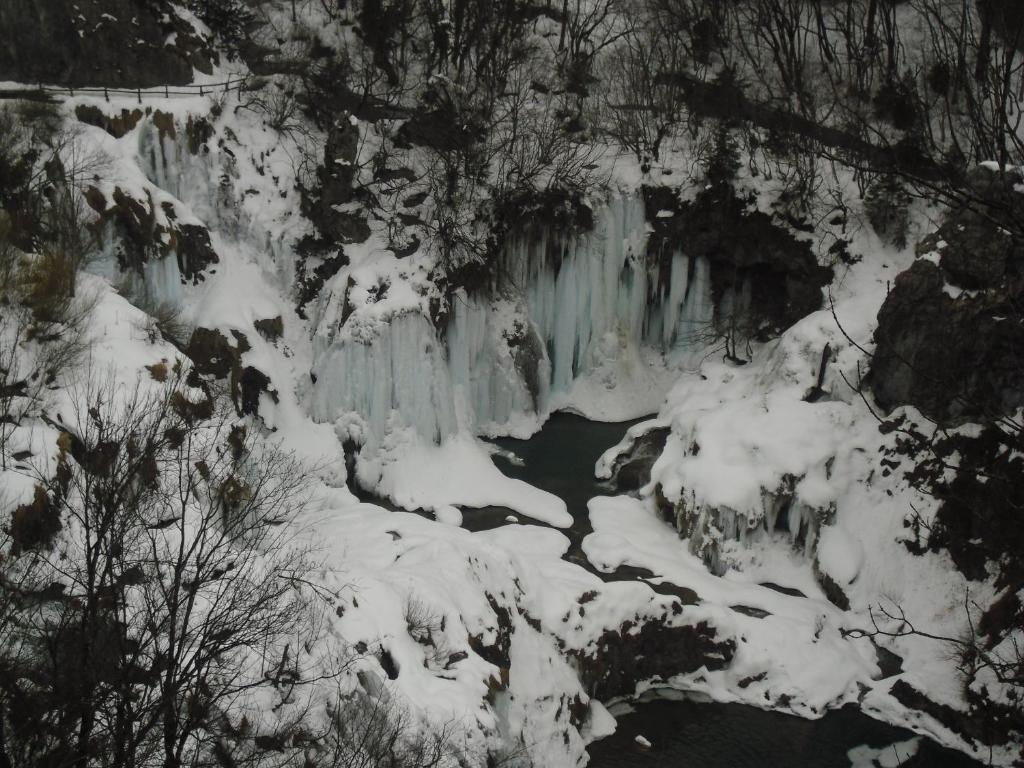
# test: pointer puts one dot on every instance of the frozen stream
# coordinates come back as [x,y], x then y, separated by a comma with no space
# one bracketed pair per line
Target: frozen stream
[560,459]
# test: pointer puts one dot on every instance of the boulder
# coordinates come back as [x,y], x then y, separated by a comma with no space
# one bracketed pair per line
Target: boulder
[955,359]
[621,659]
[213,354]
[632,468]
[979,243]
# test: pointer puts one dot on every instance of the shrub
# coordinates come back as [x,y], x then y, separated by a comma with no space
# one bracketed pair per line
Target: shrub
[725,157]
[46,287]
[230,19]
[886,204]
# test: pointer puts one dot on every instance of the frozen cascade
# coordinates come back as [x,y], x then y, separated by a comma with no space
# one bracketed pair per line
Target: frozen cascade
[572,295]
[167,163]
[711,529]
[206,183]
[497,364]
[558,307]
[393,376]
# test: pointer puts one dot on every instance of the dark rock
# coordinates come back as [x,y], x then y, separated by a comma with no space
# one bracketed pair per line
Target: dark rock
[416,199]
[440,129]
[496,652]
[387,661]
[269,743]
[410,247]
[141,239]
[211,353]
[116,43]
[387,175]
[634,474]
[35,524]
[455,658]
[833,591]
[336,187]
[527,352]
[632,469]
[972,252]
[979,242]
[116,125]
[755,613]
[329,259]
[252,382]
[270,328]
[746,682]
[621,659]
[988,725]
[956,360]
[194,250]
[348,227]
[791,591]
[889,664]
[198,131]
[338,173]
[743,246]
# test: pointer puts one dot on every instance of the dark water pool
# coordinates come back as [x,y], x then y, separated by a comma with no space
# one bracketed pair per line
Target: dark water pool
[704,735]
[558,459]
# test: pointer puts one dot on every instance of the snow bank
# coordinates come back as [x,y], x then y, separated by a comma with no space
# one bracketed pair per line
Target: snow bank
[791,653]
[416,474]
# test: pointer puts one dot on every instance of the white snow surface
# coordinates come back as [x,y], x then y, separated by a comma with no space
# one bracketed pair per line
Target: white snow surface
[386,381]
[459,471]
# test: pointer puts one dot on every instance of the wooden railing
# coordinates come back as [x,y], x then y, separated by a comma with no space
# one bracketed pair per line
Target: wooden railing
[49,92]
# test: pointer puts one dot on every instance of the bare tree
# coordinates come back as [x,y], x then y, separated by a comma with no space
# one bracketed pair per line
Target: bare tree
[167,589]
[643,100]
[377,732]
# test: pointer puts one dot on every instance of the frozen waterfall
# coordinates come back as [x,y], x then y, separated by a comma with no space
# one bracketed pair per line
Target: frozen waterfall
[568,296]
[558,305]
[395,378]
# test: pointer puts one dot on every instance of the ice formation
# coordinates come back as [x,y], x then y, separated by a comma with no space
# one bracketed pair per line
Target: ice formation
[558,306]
[393,375]
[580,290]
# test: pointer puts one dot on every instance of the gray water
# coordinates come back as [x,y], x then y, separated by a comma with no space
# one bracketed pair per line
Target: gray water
[560,459]
[685,734]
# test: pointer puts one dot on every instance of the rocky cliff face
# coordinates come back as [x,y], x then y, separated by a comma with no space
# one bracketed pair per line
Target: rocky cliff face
[951,333]
[742,245]
[118,44]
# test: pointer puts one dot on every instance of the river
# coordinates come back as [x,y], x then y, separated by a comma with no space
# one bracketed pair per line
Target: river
[560,459]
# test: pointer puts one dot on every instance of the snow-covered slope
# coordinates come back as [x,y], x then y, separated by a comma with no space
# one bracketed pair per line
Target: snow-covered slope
[496,634]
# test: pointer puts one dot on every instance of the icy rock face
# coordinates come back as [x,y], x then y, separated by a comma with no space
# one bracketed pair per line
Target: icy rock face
[710,527]
[580,289]
[187,160]
[152,226]
[172,157]
[151,240]
[496,360]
